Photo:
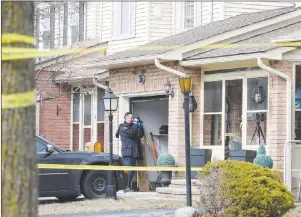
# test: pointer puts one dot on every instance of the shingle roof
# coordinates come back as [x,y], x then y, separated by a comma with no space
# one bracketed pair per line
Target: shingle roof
[200,33]
[258,39]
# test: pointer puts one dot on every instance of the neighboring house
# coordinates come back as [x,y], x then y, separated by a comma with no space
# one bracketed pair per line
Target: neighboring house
[70,109]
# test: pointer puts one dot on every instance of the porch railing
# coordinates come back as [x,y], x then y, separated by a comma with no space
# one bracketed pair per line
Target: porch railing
[292,167]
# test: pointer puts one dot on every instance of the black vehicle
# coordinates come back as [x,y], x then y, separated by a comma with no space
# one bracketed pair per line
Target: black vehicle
[68,184]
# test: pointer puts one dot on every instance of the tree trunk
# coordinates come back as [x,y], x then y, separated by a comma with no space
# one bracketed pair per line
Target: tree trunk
[19,176]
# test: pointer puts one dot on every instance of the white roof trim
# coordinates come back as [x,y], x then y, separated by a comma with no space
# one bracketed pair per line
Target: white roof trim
[111,64]
[190,63]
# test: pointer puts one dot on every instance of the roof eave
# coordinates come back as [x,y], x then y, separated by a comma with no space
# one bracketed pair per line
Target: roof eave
[135,61]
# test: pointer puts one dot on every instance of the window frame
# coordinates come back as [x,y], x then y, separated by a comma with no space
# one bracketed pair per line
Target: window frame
[117,21]
[244,75]
[192,16]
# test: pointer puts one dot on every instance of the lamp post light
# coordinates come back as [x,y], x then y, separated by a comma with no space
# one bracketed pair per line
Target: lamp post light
[185,85]
[110,101]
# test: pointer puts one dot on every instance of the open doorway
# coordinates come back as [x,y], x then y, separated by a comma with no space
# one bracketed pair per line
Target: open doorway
[153,111]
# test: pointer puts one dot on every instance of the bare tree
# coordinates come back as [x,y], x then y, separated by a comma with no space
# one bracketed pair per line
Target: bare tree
[19,179]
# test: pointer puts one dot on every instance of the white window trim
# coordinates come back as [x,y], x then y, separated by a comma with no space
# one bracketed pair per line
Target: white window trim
[94,122]
[232,76]
[116,25]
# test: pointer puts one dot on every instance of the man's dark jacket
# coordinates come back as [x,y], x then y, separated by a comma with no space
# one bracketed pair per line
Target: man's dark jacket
[130,138]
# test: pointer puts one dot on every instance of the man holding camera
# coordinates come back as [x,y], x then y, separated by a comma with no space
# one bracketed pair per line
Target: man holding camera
[130,132]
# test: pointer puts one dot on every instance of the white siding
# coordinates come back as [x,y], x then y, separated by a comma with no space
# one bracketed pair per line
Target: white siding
[235,8]
[92,19]
[106,21]
[90,22]
[160,20]
[141,31]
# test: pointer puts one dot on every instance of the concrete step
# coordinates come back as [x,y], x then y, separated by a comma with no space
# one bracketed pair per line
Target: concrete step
[175,191]
[194,182]
[193,187]
[177,196]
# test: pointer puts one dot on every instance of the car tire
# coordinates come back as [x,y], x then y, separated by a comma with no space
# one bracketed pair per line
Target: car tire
[94,184]
[67,198]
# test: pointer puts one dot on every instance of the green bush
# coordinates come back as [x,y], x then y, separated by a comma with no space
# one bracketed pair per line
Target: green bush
[166,160]
[249,190]
[262,159]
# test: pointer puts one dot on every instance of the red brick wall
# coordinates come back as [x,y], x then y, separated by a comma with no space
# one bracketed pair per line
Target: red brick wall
[54,123]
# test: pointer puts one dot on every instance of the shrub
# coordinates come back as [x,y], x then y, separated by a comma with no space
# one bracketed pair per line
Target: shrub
[243,189]
[166,160]
[262,159]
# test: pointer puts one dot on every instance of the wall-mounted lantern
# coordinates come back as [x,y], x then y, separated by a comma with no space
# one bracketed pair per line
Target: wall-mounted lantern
[168,89]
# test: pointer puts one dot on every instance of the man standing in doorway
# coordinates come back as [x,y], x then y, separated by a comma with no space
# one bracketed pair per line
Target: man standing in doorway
[130,133]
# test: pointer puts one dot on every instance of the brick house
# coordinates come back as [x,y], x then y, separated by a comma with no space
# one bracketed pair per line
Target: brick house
[223,83]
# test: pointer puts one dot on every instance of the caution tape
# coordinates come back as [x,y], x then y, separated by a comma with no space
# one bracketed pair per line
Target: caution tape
[126,168]
[18,100]
[107,167]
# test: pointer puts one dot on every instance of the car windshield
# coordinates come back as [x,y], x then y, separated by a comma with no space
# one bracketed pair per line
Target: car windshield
[45,141]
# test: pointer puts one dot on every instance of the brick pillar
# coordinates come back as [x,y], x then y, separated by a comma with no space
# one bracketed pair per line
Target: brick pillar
[277,113]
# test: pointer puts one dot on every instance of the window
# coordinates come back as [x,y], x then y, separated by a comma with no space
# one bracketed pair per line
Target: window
[212,123]
[73,22]
[76,104]
[44,28]
[100,106]
[123,19]
[87,110]
[189,15]
[256,113]
[298,103]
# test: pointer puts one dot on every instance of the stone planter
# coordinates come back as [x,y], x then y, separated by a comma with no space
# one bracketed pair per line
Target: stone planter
[165,178]
[198,158]
[243,155]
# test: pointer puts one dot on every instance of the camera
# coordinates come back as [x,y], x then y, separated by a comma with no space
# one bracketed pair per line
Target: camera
[138,121]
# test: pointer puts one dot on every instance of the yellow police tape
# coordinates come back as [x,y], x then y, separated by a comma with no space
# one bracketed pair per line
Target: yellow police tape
[18,100]
[125,168]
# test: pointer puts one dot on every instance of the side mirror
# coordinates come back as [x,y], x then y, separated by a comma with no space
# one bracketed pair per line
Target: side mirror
[49,148]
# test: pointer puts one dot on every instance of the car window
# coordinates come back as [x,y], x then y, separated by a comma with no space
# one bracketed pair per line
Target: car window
[40,147]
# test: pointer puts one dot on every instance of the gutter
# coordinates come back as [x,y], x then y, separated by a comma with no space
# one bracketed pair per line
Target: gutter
[288,95]
[99,84]
[173,71]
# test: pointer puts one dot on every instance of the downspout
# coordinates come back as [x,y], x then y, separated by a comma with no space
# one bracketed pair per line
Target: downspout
[288,94]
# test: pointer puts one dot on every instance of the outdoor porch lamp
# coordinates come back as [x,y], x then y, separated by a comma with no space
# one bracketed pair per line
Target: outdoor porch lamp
[185,85]
[110,101]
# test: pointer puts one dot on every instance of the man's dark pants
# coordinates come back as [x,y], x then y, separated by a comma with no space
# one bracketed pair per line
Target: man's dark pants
[130,161]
